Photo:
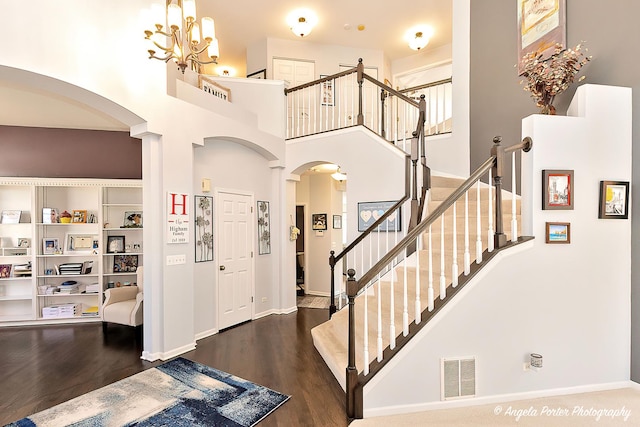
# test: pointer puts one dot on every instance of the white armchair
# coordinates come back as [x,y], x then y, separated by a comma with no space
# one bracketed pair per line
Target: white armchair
[123,305]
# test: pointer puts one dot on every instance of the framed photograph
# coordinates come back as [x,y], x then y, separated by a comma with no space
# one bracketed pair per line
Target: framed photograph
[125,263]
[369,212]
[79,216]
[558,232]
[541,24]
[132,219]
[81,244]
[50,246]
[24,242]
[327,92]
[115,244]
[319,221]
[557,188]
[5,271]
[614,200]
[337,221]
[214,88]
[10,216]
[262,74]
[264,233]
[49,216]
[203,229]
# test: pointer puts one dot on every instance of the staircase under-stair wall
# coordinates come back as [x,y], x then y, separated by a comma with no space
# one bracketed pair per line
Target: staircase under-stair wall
[567,302]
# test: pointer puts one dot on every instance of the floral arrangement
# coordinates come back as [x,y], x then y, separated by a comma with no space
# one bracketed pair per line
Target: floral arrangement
[545,79]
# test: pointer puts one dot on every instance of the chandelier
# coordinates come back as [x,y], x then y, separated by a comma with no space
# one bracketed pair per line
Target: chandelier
[187,39]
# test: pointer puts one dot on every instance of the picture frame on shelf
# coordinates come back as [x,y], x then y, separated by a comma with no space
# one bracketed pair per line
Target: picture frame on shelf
[614,200]
[24,242]
[125,263]
[81,244]
[10,216]
[558,189]
[49,215]
[319,221]
[558,232]
[132,219]
[541,25]
[337,222]
[5,271]
[115,244]
[369,212]
[262,74]
[50,246]
[79,216]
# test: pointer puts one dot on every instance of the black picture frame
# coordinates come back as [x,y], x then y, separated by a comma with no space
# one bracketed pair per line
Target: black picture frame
[125,263]
[614,200]
[115,244]
[319,221]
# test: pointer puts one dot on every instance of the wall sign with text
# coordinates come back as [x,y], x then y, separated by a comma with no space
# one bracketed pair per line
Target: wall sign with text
[178,229]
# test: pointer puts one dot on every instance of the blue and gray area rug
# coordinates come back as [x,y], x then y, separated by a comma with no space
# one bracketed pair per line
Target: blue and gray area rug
[177,393]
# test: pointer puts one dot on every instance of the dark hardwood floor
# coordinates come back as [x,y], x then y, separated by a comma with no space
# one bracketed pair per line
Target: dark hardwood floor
[43,366]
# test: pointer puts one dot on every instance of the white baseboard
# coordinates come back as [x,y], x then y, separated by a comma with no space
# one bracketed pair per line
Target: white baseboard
[275,311]
[499,398]
[206,334]
[151,357]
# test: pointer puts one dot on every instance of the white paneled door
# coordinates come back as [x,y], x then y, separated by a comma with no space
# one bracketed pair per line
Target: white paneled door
[235,246]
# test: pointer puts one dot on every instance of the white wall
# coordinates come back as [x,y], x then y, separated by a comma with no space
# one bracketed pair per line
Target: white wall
[569,303]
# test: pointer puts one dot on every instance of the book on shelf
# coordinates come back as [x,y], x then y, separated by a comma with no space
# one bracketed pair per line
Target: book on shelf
[59,311]
[86,267]
[90,311]
[93,288]
[22,270]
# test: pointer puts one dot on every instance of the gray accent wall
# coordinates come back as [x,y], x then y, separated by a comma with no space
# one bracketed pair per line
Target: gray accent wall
[498,103]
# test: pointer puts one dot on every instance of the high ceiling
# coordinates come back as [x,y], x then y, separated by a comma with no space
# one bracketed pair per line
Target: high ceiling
[240,23]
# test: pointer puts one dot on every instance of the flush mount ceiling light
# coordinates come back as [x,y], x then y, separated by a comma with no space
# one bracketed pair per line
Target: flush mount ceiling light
[418,36]
[302,21]
[183,34]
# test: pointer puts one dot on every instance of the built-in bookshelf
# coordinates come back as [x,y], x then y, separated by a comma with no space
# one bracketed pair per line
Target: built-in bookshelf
[55,259]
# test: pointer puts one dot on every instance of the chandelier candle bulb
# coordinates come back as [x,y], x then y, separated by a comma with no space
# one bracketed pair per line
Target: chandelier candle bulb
[208,29]
[174,16]
[213,50]
[189,9]
[195,34]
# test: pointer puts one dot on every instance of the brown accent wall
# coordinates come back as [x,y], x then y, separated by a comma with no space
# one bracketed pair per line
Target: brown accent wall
[69,153]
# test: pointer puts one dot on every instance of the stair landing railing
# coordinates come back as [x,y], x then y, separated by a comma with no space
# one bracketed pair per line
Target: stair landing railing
[439,256]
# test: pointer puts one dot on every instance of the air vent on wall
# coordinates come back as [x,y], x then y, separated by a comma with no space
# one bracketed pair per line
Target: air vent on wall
[458,376]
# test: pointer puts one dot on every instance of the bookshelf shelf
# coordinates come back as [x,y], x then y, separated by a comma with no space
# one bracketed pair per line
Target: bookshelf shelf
[100,203]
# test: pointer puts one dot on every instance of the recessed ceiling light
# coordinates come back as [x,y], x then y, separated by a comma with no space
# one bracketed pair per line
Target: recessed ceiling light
[347,27]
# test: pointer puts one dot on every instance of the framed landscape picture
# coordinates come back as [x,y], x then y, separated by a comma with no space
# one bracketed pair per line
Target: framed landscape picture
[558,232]
[614,200]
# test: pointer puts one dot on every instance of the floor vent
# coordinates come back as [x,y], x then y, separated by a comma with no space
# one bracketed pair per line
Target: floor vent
[458,376]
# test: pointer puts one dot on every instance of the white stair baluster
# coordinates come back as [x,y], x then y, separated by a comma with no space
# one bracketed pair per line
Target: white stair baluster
[333,115]
[417,306]
[405,300]
[366,330]
[443,277]
[430,289]
[491,231]
[379,318]
[392,317]
[454,262]
[467,256]
[478,227]
[514,219]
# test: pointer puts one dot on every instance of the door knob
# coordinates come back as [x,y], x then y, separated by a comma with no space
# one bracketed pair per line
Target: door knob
[222,267]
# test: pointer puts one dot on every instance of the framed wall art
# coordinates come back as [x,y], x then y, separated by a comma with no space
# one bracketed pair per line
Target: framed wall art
[115,244]
[557,188]
[79,216]
[50,246]
[557,232]
[204,228]
[264,233]
[369,212]
[132,219]
[541,24]
[337,221]
[319,221]
[327,92]
[614,200]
